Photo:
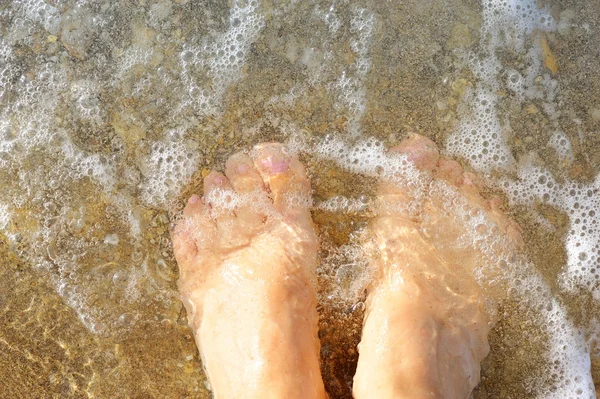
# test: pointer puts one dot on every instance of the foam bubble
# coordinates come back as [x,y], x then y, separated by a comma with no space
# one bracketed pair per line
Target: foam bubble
[351,84]
[4,216]
[560,142]
[222,55]
[580,202]
[330,18]
[168,168]
[344,204]
[481,136]
[39,11]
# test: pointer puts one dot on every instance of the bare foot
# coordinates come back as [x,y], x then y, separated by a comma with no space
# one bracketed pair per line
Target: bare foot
[247,255]
[426,325]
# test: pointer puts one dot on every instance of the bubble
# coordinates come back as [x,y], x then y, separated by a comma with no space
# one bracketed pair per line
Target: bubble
[120,278]
[111,239]
[358,307]
[162,269]
[137,256]
[169,166]
[126,319]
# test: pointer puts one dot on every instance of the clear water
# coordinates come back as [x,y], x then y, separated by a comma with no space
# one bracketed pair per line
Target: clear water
[111,112]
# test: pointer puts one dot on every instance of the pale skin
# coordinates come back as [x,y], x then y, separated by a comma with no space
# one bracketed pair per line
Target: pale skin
[247,255]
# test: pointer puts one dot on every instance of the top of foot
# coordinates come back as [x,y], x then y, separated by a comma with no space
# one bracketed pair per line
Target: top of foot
[262,202]
[247,254]
[430,261]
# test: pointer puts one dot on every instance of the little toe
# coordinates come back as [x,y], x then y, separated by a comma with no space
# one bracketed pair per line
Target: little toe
[420,150]
[286,177]
[248,183]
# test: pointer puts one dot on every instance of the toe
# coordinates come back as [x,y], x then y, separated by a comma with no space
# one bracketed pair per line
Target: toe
[286,177]
[253,202]
[215,183]
[192,232]
[242,174]
[194,206]
[184,246]
[471,187]
[219,195]
[403,198]
[420,150]
[450,171]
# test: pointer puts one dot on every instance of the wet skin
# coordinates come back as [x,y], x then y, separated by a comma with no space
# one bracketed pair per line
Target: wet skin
[247,253]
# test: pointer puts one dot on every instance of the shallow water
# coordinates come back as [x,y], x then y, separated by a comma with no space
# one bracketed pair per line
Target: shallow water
[111,112]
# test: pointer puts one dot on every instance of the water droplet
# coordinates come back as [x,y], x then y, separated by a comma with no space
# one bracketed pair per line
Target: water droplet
[358,307]
[120,278]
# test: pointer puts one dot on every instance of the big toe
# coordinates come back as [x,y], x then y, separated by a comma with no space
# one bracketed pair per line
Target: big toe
[285,176]
[420,150]
[403,196]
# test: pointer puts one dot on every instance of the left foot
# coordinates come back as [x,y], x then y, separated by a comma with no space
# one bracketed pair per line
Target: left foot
[247,254]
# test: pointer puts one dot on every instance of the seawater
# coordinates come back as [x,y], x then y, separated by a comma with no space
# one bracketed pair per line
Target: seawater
[111,112]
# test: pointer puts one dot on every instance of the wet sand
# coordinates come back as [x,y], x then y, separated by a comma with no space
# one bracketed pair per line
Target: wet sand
[92,102]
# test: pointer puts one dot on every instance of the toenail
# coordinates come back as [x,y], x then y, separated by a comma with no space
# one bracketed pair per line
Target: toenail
[242,168]
[193,199]
[218,180]
[275,166]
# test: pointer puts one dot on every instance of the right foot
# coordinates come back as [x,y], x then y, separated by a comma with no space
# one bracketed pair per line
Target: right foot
[425,329]
[247,256]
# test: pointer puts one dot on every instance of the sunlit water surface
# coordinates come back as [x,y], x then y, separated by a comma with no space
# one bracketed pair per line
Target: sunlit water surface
[111,112]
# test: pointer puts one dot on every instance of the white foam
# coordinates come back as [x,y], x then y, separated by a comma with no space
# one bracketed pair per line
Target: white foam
[5,216]
[344,204]
[85,95]
[168,168]
[560,142]
[481,136]
[506,269]
[330,18]
[580,202]
[351,84]
[223,55]
[39,11]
